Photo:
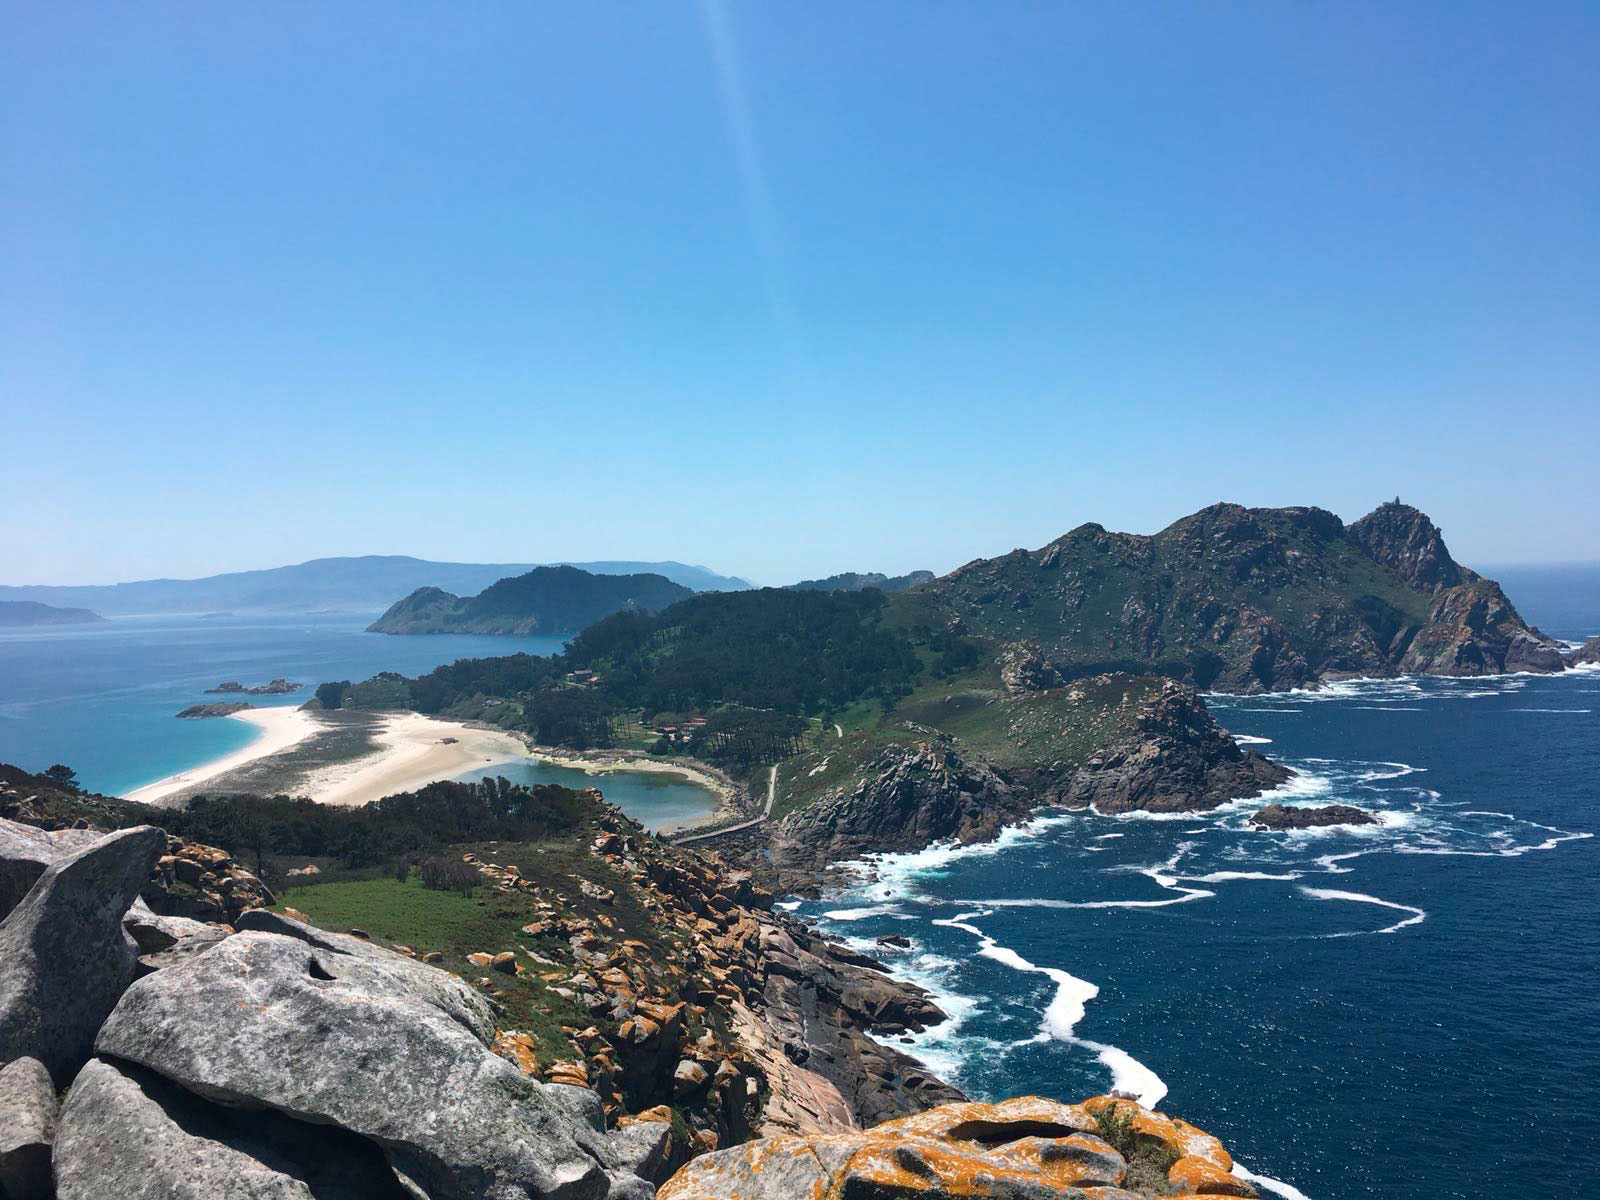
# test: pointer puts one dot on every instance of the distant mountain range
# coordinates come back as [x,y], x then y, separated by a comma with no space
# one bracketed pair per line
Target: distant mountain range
[856,581]
[370,583]
[544,600]
[28,612]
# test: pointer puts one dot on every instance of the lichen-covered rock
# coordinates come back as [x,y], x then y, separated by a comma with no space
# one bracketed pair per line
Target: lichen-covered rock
[64,957]
[1472,629]
[128,1133]
[166,941]
[334,1031]
[27,1128]
[1023,1149]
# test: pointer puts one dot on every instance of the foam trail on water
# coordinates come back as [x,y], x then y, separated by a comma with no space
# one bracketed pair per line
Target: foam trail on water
[1416,918]
[1128,1075]
[1288,1191]
[1064,1012]
[1250,739]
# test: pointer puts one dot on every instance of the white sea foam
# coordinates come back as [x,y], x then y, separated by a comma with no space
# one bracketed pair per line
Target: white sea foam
[1106,837]
[787,905]
[870,910]
[1250,739]
[1288,1191]
[1228,876]
[1128,1075]
[1065,1010]
[1416,918]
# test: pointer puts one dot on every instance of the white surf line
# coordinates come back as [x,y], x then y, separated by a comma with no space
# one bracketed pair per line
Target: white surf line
[838,730]
[1065,1010]
[1417,915]
[1288,1191]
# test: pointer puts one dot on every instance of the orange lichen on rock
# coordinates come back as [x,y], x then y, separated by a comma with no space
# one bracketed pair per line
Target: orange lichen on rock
[1198,1176]
[1180,1137]
[1028,1146]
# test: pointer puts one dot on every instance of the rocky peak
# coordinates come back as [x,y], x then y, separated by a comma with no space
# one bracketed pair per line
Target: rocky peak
[1406,541]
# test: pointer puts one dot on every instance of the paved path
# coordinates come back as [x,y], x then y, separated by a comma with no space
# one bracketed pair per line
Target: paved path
[772,794]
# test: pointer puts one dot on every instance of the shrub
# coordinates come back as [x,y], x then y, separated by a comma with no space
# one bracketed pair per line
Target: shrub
[449,875]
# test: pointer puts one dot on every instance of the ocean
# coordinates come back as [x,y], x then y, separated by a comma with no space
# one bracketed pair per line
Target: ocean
[104,698]
[1404,1011]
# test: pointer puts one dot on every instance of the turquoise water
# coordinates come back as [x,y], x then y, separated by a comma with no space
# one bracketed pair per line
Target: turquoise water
[103,698]
[1406,1011]
[651,798]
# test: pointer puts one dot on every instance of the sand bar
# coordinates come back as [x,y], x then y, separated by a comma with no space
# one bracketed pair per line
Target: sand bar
[280,728]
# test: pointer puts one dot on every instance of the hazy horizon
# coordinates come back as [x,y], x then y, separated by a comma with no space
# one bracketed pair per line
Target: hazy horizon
[787,291]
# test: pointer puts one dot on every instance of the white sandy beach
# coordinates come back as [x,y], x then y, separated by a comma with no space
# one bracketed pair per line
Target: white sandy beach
[411,753]
[280,729]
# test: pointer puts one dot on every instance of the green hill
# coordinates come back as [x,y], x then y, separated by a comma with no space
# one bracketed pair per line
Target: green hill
[1250,600]
[546,600]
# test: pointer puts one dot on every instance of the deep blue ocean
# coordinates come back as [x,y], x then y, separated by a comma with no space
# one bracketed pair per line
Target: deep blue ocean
[1404,1011]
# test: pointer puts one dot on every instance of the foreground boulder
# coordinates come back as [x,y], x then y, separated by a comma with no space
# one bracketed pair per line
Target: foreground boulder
[64,958]
[331,1030]
[27,1128]
[128,1133]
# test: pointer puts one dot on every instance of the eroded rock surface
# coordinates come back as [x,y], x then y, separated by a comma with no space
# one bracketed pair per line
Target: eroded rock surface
[1282,816]
[329,1030]
[1177,760]
[27,1128]
[64,957]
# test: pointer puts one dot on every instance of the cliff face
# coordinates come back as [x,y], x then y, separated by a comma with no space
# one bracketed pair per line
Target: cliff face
[903,799]
[1251,600]
[545,600]
[1176,759]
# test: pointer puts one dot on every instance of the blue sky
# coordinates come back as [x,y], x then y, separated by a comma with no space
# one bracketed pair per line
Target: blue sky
[787,289]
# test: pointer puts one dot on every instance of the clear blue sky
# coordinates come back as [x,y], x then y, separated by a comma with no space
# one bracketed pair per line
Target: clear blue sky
[787,289]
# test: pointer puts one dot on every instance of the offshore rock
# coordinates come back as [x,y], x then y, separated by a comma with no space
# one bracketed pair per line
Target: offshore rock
[1281,816]
[1589,652]
[64,957]
[128,1133]
[27,1128]
[1178,759]
[335,1031]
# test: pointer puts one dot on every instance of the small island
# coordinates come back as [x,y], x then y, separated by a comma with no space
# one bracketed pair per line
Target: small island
[18,613]
[204,712]
[278,687]
[1281,816]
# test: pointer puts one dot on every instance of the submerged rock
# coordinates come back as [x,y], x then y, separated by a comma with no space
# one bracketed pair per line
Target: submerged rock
[64,957]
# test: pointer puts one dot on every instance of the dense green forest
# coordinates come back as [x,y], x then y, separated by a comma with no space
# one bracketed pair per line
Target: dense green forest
[755,662]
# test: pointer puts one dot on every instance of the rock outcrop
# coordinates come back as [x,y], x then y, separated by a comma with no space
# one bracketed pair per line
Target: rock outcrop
[1585,654]
[278,687]
[1282,816]
[1472,629]
[301,1010]
[64,957]
[1023,1149]
[1177,759]
[903,799]
[207,712]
